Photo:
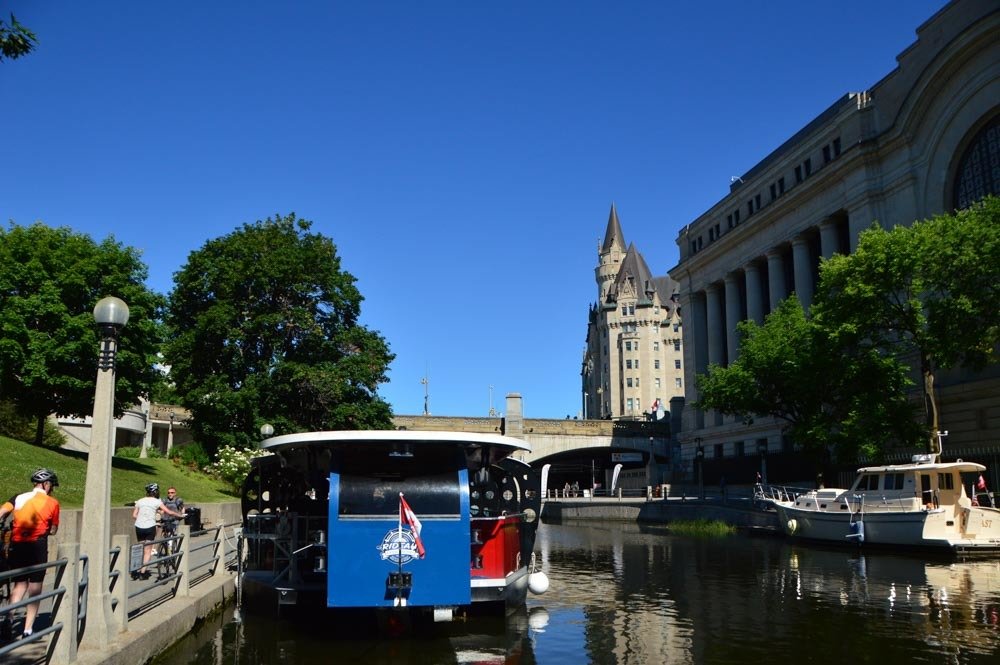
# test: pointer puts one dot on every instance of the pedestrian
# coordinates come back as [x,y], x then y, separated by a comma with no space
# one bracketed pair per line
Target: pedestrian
[35,518]
[144,514]
[168,523]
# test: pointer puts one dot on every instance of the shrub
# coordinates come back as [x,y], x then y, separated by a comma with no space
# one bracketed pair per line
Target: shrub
[22,428]
[191,455]
[233,465]
[128,452]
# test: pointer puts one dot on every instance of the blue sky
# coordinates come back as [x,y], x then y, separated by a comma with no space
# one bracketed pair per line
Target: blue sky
[463,156]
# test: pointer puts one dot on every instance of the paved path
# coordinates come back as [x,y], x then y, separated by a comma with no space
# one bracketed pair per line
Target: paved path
[152,606]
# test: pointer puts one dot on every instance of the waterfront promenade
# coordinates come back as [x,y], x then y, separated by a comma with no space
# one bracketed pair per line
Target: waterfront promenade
[149,615]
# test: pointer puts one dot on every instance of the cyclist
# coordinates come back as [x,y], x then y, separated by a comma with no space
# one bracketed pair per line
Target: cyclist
[144,514]
[36,517]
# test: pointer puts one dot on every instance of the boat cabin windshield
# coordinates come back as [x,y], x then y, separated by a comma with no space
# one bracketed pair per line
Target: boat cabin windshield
[429,479]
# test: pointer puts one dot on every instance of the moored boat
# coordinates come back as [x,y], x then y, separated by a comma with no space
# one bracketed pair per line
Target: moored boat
[434,523]
[922,504]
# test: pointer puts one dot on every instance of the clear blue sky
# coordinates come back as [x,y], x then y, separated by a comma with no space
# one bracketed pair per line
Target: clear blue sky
[463,156]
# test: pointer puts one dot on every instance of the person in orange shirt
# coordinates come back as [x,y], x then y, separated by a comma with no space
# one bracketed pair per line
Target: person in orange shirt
[36,517]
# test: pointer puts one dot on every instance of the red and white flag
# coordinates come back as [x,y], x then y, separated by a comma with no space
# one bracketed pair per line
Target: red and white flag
[656,406]
[409,518]
[981,483]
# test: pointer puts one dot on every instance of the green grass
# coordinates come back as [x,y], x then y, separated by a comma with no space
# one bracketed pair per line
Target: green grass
[129,477]
[702,528]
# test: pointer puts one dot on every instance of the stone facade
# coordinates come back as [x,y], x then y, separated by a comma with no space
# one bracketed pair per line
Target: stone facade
[924,140]
[633,362]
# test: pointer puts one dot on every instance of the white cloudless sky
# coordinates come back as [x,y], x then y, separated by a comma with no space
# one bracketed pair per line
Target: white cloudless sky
[463,156]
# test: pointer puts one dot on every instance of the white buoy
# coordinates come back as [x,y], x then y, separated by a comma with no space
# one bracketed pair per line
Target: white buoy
[538,583]
[793,526]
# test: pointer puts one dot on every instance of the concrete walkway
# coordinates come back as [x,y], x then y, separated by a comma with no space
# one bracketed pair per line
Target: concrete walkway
[151,633]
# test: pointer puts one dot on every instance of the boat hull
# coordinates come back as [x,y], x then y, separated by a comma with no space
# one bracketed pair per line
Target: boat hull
[958,530]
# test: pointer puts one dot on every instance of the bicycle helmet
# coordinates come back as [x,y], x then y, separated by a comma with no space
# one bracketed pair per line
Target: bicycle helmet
[152,489]
[45,476]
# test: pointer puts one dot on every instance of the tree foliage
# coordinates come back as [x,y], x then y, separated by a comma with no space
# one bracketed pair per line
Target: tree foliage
[841,399]
[927,295]
[50,280]
[15,39]
[264,328]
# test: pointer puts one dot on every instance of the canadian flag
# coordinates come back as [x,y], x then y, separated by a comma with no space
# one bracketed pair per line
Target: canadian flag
[409,518]
[981,483]
[656,406]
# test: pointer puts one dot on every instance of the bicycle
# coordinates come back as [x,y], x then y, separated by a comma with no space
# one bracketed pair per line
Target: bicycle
[163,557]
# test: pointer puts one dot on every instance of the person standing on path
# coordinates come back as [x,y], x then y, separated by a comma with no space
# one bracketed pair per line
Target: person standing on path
[36,517]
[168,523]
[144,515]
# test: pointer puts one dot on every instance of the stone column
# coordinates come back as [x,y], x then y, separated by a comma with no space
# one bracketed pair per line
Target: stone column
[733,312]
[803,271]
[858,220]
[695,350]
[755,306]
[828,241]
[714,332]
[514,418]
[775,278]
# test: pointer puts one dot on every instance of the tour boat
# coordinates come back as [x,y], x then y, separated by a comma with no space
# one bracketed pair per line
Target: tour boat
[921,504]
[435,523]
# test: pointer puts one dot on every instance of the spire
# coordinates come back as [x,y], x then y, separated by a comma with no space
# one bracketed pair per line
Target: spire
[613,236]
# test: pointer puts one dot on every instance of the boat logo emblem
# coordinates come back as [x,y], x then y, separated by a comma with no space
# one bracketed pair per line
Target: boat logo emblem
[398,546]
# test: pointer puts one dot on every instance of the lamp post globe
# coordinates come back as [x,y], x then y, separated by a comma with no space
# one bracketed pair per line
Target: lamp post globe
[266,430]
[111,311]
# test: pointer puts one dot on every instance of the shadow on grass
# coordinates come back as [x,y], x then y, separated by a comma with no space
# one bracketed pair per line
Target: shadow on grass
[116,462]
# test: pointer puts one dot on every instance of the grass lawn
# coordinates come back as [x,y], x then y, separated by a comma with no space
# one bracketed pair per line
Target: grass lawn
[129,477]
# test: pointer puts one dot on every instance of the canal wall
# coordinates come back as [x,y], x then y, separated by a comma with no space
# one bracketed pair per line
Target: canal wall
[739,513]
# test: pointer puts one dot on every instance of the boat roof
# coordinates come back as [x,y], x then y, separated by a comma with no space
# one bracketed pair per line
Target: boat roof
[960,466]
[415,437]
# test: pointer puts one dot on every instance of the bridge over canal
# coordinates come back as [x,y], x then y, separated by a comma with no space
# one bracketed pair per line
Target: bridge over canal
[581,451]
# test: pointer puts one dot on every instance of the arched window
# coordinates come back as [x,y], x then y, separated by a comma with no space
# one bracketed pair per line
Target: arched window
[979,169]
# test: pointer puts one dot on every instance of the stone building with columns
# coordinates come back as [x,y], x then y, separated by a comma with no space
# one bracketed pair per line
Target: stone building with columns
[922,141]
[633,362]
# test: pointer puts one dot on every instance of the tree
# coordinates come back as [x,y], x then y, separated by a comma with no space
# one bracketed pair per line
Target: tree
[929,292]
[264,328]
[15,39]
[839,399]
[50,280]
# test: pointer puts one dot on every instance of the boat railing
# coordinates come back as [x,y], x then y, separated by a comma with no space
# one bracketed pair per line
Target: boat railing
[770,493]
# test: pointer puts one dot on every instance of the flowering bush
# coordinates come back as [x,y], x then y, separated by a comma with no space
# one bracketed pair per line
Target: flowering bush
[233,465]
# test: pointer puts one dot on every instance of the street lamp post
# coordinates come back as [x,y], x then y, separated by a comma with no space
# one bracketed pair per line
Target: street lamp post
[700,458]
[95,539]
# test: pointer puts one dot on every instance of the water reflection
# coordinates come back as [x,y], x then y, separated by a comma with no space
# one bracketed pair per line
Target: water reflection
[628,594]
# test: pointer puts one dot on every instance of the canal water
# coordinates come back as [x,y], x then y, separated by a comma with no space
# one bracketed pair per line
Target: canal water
[623,593]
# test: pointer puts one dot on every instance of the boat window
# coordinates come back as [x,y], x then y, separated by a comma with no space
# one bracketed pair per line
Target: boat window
[946,481]
[436,495]
[867,482]
[370,485]
[893,481]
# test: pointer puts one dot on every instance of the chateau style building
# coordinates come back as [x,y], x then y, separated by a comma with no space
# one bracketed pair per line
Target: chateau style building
[633,363]
[924,140]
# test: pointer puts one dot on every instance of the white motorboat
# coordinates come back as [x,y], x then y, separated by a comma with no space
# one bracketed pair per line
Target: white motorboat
[921,504]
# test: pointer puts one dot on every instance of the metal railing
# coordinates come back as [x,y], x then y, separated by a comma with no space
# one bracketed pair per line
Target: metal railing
[69,613]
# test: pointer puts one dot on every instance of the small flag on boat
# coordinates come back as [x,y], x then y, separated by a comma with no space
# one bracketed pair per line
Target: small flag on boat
[981,483]
[409,518]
